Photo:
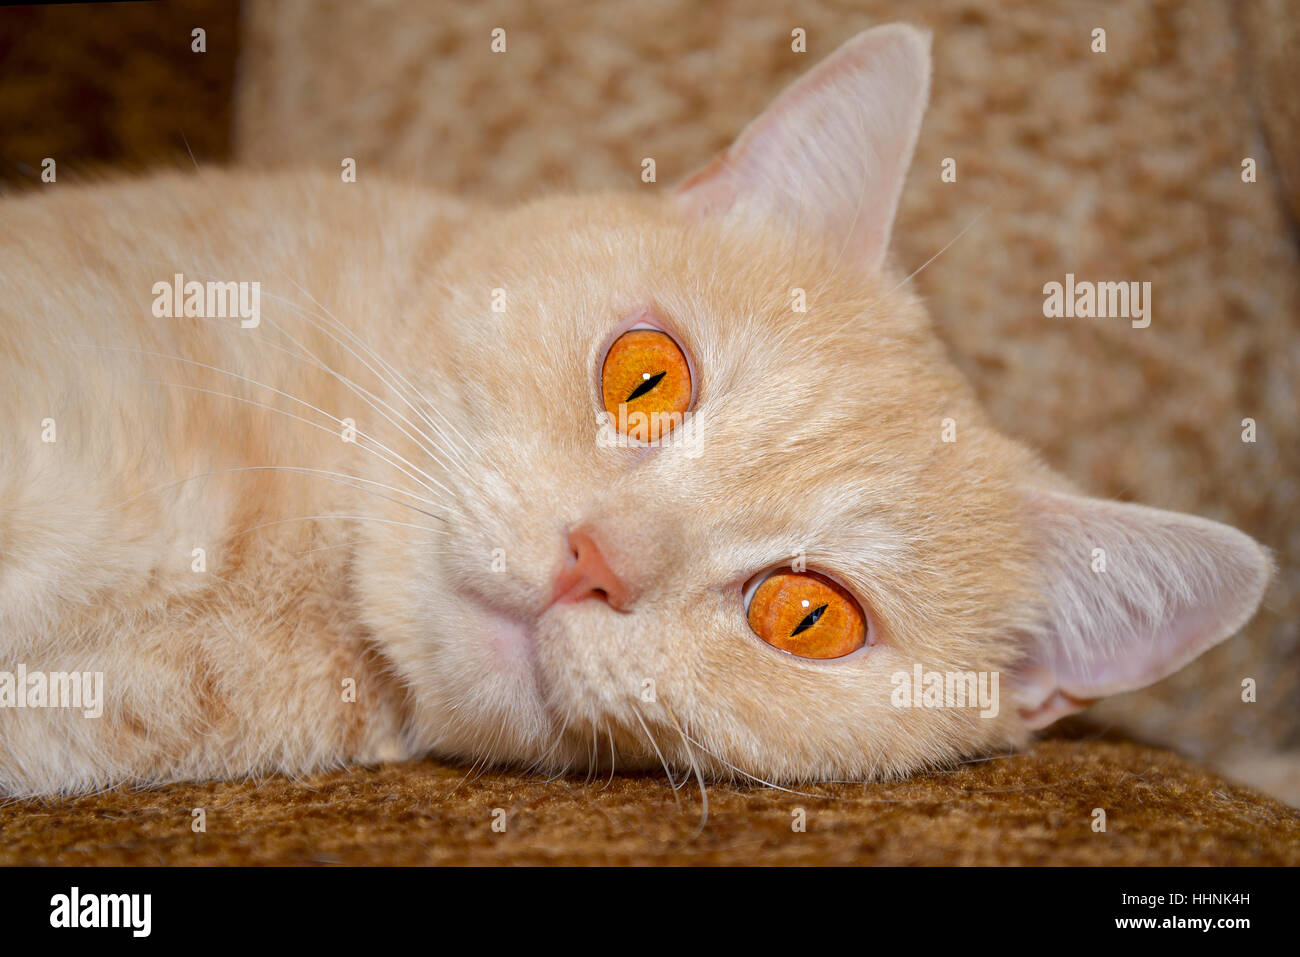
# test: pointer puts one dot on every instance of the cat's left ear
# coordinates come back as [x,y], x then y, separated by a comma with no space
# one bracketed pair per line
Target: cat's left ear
[831,153]
[1132,594]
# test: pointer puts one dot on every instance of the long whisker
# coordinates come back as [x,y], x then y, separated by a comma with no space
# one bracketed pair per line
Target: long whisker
[967,228]
[424,442]
[744,773]
[695,766]
[280,392]
[595,756]
[662,760]
[917,271]
[323,473]
[463,467]
[308,518]
[450,447]
[392,371]
[317,425]
[613,757]
[356,390]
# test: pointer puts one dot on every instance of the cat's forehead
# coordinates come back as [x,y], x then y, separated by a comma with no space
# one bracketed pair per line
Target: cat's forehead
[574,269]
[804,370]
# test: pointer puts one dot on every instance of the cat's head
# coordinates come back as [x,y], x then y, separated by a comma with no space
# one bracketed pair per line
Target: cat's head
[828,517]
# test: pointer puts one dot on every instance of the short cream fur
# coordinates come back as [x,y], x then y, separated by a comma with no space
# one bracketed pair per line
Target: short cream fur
[821,437]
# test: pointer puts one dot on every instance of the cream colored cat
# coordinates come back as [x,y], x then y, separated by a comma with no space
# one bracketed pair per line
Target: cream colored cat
[394,508]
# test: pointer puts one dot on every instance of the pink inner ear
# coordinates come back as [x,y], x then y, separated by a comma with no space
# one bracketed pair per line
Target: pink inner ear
[1037,684]
[1156,650]
[708,190]
[1174,585]
[830,155]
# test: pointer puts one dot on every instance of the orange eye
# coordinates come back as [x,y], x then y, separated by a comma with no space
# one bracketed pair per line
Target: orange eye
[807,615]
[646,383]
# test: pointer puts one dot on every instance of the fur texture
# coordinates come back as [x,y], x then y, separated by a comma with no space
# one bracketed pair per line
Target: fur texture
[414,556]
[1122,165]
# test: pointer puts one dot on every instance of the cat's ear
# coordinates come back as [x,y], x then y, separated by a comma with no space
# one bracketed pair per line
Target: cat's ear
[1133,594]
[831,153]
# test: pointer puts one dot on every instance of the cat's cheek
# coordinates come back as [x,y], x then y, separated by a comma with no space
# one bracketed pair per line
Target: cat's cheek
[510,643]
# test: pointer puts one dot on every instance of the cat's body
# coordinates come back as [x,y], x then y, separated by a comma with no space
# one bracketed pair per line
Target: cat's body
[237,667]
[382,558]
[242,667]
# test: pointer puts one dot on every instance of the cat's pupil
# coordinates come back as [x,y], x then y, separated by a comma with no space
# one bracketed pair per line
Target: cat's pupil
[650,382]
[809,620]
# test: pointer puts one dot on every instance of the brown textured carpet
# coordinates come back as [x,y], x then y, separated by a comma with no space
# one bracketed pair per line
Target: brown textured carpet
[1034,808]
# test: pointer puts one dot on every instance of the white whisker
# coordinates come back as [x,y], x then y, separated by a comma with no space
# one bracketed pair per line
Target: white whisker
[392,372]
[391,369]
[323,473]
[271,408]
[364,394]
[699,776]
[280,392]
[309,518]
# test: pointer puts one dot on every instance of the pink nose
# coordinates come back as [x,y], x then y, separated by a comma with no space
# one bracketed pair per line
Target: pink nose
[589,576]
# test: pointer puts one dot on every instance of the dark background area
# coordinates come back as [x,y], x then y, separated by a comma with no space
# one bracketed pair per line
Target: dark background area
[114,85]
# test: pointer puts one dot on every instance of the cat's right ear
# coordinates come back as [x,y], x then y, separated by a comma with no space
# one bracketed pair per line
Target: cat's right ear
[1132,594]
[831,153]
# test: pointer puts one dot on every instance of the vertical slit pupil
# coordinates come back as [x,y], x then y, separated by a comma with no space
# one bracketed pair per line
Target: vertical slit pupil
[646,386]
[809,620]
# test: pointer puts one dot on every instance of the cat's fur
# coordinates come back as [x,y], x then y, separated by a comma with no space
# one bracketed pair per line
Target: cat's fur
[821,436]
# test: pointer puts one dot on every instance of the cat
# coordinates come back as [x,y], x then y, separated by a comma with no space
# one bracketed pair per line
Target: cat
[301,472]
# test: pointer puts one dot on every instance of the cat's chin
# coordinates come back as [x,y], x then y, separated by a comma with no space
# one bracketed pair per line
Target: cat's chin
[506,711]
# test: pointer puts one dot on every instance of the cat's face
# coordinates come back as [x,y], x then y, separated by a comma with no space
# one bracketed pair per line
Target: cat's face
[592,594]
[811,438]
